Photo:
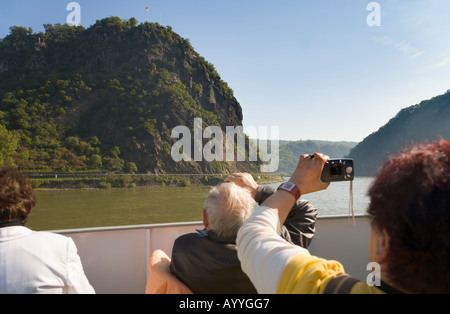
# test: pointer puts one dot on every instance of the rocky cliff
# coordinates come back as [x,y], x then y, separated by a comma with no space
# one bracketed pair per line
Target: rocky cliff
[107,98]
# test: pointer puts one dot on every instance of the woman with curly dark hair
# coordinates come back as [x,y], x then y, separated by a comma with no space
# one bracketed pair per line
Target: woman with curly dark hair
[410,238]
[17,198]
[410,211]
[33,262]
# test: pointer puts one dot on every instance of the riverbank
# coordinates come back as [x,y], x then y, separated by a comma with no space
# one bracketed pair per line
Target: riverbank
[101,181]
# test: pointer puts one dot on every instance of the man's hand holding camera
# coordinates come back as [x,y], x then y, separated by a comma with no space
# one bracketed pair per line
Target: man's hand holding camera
[308,172]
[307,178]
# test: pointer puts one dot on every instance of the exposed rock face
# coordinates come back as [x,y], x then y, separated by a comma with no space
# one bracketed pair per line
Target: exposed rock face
[114,91]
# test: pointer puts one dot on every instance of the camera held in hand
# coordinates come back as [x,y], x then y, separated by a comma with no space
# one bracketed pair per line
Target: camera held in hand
[336,170]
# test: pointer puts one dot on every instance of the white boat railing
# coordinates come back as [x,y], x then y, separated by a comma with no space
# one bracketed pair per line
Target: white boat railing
[115,259]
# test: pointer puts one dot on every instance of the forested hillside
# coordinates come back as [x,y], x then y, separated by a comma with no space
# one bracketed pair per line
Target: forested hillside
[291,150]
[106,98]
[429,120]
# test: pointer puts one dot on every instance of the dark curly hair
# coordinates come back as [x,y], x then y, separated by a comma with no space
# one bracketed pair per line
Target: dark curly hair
[17,197]
[410,201]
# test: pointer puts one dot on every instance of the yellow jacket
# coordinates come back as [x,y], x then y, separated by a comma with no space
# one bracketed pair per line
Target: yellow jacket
[307,274]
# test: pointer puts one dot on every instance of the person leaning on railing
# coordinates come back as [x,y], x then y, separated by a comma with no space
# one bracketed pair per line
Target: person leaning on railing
[33,262]
[410,237]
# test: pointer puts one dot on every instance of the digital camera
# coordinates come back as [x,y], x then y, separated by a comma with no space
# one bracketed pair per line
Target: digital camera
[336,170]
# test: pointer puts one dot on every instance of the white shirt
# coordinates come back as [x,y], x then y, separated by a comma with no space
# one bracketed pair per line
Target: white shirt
[39,262]
[263,253]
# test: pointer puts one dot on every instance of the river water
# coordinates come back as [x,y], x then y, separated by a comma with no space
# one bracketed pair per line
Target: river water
[73,209]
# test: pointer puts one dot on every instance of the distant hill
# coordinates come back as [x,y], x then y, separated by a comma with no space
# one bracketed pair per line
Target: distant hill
[291,150]
[106,98]
[429,120]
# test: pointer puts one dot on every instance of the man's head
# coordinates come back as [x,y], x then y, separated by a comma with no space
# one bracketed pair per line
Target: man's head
[226,208]
[17,198]
[410,209]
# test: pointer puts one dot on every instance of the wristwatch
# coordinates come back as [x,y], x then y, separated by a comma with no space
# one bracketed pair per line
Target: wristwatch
[290,188]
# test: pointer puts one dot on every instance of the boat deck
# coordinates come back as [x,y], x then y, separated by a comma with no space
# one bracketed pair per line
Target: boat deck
[115,259]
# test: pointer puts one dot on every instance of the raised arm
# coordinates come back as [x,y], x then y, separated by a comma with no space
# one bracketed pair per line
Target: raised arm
[264,255]
[307,178]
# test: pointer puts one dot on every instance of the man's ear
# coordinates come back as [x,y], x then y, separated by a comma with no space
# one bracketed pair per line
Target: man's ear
[205,219]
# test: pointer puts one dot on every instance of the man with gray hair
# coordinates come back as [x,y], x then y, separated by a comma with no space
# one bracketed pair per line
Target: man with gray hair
[225,210]
[207,261]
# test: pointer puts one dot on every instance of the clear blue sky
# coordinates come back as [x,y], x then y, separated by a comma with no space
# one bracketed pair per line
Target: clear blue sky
[312,67]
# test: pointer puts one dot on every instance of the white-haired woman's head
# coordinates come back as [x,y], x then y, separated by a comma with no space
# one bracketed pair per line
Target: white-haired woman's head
[227,207]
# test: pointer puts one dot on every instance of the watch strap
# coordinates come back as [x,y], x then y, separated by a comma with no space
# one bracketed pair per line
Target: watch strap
[290,188]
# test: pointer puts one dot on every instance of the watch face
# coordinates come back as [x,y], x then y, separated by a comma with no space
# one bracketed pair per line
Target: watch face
[288,186]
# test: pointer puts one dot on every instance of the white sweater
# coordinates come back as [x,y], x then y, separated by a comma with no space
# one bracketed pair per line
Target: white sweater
[264,255]
[39,262]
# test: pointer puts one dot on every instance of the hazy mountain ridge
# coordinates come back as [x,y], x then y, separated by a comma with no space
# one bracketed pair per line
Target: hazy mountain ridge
[427,121]
[290,151]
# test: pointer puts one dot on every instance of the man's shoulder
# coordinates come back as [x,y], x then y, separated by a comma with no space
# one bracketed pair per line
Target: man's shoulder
[190,238]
